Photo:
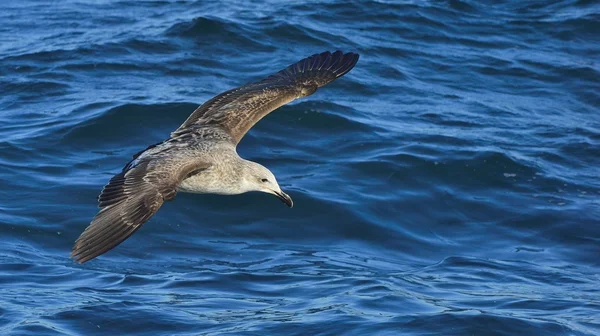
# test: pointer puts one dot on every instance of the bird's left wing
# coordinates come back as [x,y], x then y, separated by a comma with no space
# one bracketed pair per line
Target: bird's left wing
[130,199]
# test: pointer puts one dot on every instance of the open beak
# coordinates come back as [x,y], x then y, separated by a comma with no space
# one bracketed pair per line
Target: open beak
[285,198]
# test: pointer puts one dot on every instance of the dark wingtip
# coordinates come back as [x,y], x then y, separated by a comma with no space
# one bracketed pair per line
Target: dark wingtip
[337,62]
[319,69]
[77,259]
[342,63]
[76,254]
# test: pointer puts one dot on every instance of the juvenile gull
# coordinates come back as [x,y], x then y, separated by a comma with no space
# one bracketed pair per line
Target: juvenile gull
[200,156]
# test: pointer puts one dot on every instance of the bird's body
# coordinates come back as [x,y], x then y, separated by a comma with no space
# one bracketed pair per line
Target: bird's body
[221,177]
[201,157]
[218,174]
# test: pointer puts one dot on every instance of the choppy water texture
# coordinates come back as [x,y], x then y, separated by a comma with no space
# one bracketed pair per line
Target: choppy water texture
[448,185]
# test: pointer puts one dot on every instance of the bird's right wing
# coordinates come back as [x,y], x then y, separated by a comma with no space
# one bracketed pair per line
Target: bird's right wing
[237,110]
[130,199]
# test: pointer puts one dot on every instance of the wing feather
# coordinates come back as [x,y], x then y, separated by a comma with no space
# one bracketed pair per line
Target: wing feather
[130,199]
[237,110]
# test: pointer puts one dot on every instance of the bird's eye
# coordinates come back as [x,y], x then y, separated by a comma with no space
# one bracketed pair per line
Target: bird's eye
[264,180]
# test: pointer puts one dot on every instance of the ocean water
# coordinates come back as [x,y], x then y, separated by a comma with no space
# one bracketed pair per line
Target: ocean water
[448,185]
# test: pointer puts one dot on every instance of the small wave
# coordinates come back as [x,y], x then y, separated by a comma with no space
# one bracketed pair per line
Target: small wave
[215,31]
[200,26]
[32,89]
[129,121]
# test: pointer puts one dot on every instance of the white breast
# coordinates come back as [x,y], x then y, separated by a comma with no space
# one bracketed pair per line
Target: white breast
[210,181]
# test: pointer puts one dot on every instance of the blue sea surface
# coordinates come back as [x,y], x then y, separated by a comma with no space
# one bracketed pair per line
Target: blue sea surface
[448,185]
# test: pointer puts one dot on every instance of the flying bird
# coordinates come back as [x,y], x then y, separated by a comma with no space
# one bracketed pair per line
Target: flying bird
[201,157]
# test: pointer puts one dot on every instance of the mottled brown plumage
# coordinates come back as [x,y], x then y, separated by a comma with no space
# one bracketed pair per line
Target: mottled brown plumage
[237,110]
[200,156]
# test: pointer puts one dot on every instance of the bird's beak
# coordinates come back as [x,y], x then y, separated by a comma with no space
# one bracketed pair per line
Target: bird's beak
[285,198]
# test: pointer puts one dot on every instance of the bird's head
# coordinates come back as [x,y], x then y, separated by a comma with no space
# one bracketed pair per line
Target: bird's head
[259,178]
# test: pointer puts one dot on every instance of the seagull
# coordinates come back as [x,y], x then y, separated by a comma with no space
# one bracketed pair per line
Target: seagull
[200,156]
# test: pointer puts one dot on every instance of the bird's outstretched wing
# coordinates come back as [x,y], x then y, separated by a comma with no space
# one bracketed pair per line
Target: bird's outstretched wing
[130,199]
[237,110]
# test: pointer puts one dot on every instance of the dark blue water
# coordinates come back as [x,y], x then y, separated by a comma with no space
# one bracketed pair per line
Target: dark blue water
[448,185]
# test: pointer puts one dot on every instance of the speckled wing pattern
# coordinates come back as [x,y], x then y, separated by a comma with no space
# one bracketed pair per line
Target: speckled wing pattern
[237,110]
[130,199]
